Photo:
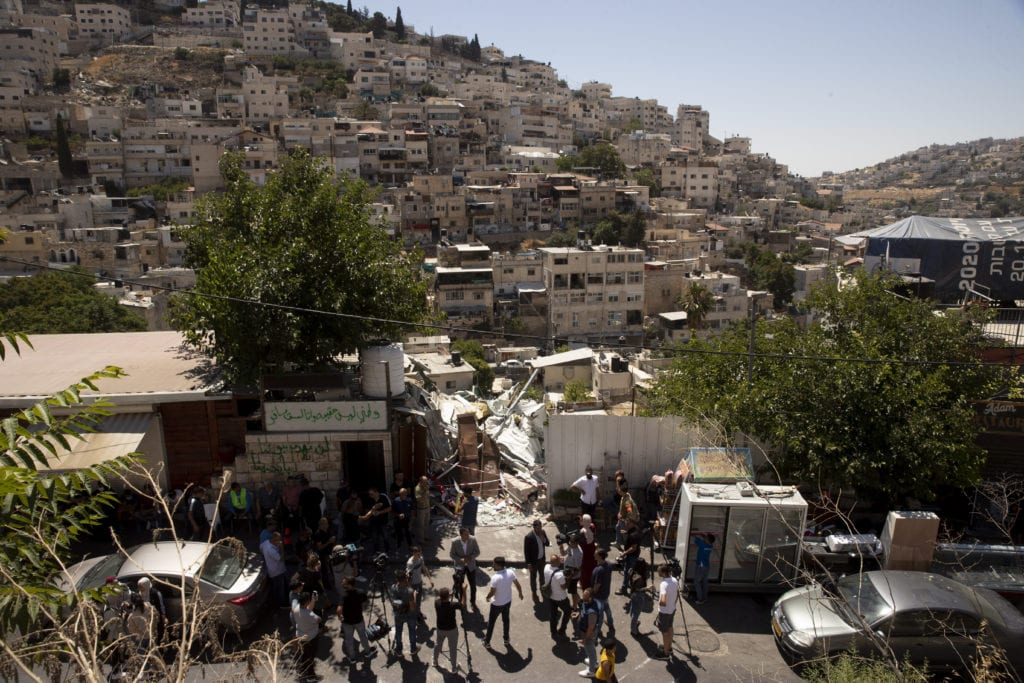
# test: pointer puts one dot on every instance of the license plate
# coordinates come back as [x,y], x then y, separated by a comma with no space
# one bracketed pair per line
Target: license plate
[776,628]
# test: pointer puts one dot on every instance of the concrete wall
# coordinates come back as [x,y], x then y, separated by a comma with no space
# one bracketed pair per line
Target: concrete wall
[648,444]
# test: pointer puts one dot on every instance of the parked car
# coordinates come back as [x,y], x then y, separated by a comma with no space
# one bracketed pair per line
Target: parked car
[925,618]
[231,582]
[511,366]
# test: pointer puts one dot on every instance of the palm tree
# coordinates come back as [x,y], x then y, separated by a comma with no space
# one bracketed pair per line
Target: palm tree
[697,301]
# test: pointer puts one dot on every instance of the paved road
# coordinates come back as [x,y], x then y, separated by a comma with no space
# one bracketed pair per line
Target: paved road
[727,639]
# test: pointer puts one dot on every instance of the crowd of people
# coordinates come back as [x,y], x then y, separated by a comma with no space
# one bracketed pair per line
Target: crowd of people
[321,567]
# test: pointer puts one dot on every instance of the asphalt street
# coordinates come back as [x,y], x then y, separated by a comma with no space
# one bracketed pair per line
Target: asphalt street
[726,639]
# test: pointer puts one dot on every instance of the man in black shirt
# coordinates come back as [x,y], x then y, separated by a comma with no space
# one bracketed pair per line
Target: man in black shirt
[377,517]
[630,553]
[351,614]
[309,504]
[447,629]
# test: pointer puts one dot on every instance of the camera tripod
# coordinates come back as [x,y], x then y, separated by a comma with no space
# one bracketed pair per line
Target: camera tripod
[378,590]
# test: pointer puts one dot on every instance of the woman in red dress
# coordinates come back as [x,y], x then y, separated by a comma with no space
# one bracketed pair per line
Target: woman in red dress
[587,544]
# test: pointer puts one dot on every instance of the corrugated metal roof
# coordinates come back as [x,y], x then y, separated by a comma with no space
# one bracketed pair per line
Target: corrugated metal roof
[156,364]
[564,358]
[118,435]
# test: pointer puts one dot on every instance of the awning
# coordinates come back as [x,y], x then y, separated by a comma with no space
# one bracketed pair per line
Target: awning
[118,435]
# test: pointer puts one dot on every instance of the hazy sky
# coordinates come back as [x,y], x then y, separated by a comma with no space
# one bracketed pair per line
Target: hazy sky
[821,85]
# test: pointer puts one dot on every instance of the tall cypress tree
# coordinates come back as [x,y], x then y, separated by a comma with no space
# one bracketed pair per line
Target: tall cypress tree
[399,25]
[64,159]
[348,9]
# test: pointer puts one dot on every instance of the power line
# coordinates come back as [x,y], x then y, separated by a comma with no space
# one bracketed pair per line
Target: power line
[468,331]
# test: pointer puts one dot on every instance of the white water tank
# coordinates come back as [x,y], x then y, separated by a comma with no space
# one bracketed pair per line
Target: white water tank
[375,378]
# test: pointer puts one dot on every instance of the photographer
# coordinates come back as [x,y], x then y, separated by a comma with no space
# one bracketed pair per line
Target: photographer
[417,569]
[307,630]
[351,614]
[344,565]
[447,627]
[403,602]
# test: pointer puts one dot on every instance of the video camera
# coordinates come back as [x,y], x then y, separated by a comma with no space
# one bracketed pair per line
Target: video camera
[379,561]
[568,536]
[345,553]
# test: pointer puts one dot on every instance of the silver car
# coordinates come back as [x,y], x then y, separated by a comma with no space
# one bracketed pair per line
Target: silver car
[232,583]
[924,618]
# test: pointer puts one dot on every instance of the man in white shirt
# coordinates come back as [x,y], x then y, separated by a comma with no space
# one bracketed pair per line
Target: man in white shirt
[667,592]
[307,628]
[501,592]
[587,486]
[559,598]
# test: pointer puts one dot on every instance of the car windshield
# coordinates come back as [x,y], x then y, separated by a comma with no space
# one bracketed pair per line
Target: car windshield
[861,596]
[223,566]
[99,572]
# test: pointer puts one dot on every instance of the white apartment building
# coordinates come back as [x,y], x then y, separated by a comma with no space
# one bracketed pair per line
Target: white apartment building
[102,22]
[265,97]
[62,26]
[594,294]
[271,32]
[213,14]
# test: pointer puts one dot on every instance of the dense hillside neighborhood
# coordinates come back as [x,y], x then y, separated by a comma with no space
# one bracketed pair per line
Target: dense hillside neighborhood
[296,248]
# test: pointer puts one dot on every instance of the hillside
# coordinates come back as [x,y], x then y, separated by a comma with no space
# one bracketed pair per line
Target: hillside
[982,178]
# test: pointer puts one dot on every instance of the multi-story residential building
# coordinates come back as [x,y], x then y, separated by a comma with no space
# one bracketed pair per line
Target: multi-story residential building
[213,14]
[35,50]
[62,26]
[270,32]
[358,50]
[260,153]
[692,179]
[519,291]
[693,124]
[408,69]
[465,294]
[643,148]
[102,22]
[265,97]
[594,294]
[372,82]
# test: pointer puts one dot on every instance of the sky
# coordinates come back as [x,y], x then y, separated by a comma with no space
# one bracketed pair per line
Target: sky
[819,86]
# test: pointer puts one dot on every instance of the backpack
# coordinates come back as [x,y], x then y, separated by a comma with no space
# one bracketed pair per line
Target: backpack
[582,619]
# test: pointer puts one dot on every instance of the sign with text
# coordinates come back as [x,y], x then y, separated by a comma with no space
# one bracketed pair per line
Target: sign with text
[326,416]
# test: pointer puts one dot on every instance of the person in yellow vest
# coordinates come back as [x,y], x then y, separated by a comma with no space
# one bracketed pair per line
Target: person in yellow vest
[239,502]
[606,665]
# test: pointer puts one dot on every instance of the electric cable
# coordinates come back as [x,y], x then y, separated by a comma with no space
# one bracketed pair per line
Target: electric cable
[471,332]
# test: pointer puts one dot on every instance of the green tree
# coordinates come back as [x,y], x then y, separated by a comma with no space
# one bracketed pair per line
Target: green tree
[577,392]
[399,25]
[378,25]
[61,78]
[646,177]
[878,397]
[619,228]
[561,238]
[65,162]
[769,272]
[604,157]
[37,508]
[301,271]
[364,111]
[473,353]
[53,302]
[429,90]
[697,301]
